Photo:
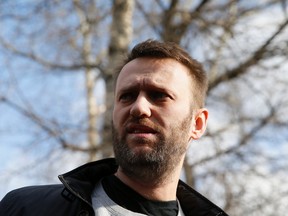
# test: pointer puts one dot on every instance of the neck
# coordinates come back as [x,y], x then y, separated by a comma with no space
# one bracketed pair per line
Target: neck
[164,190]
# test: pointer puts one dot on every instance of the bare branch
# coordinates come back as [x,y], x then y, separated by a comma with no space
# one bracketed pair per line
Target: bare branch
[45,63]
[243,141]
[56,134]
[200,6]
[253,60]
[174,32]
[147,17]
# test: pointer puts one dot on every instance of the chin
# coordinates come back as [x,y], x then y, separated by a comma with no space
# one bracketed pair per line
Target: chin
[141,149]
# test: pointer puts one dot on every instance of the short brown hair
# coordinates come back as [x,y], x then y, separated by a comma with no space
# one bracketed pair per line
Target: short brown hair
[156,49]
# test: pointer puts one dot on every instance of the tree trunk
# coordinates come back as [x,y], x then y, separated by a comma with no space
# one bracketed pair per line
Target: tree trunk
[121,34]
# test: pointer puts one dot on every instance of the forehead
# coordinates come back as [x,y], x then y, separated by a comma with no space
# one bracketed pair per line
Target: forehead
[156,72]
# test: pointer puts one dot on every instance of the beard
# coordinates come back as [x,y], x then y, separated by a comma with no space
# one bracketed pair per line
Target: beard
[155,165]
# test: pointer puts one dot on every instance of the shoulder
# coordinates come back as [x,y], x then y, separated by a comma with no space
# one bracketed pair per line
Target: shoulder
[33,192]
[193,203]
[17,201]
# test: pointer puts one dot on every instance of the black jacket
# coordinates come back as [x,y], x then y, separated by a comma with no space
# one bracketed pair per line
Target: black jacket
[73,197]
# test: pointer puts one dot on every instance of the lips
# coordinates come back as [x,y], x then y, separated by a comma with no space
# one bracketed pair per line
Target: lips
[140,129]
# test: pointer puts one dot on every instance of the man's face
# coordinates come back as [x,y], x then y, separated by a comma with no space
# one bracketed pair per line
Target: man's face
[152,117]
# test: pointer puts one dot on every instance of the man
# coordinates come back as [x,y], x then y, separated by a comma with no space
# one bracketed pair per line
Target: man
[158,110]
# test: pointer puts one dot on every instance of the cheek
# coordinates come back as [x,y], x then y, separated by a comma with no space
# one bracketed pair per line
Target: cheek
[177,112]
[119,116]
[115,117]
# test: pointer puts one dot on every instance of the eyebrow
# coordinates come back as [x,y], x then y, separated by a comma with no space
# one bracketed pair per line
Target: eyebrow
[132,87]
[148,86]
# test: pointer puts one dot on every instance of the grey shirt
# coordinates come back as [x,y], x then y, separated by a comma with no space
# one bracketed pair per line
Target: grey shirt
[104,206]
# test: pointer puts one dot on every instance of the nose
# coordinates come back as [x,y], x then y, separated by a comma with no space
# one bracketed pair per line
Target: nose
[141,107]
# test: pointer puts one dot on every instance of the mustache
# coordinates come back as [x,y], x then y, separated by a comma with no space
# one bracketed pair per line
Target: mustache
[142,122]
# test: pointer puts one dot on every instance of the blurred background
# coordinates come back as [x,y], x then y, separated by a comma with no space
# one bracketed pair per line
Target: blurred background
[56,88]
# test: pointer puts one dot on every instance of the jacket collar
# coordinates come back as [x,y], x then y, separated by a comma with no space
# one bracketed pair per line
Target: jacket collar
[193,203]
[81,182]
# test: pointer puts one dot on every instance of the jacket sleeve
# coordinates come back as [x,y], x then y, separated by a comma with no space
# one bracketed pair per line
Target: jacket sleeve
[10,205]
[32,200]
[43,200]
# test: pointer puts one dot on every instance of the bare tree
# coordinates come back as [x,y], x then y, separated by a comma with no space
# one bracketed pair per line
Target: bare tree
[241,161]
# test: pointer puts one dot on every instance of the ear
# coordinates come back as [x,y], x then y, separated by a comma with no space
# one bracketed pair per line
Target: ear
[199,123]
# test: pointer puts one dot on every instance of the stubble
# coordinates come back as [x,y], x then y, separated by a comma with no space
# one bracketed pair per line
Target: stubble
[155,165]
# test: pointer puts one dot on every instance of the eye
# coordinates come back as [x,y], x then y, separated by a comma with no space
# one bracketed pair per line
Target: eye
[128,96]
[158,96]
